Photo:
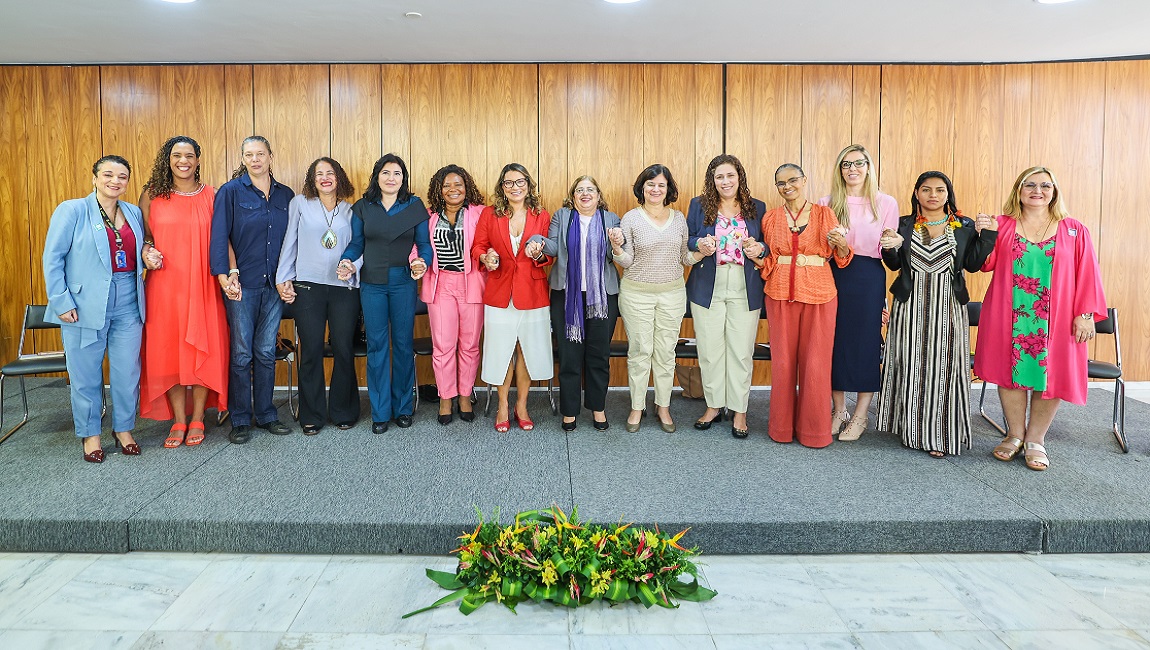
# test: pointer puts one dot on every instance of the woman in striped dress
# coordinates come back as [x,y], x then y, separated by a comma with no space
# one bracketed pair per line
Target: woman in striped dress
[926,377]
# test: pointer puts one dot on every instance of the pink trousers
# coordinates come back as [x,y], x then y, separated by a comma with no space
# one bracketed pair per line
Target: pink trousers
[455,327]
[802,339]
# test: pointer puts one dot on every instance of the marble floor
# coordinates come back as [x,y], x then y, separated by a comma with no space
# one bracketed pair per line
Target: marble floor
[157,600]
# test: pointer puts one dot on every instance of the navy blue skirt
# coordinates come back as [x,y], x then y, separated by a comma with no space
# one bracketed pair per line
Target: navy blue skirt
[855,363]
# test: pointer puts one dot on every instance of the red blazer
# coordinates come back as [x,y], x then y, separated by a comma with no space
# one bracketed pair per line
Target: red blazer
[517,275]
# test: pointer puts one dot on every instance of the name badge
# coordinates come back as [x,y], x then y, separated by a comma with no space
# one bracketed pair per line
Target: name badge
[121,259]
[1073,232]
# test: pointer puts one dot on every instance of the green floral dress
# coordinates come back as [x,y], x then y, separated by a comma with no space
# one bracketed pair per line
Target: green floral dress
[1033,265]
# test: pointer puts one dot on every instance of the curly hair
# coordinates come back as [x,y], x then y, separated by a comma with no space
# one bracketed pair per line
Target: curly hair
[502,207]
[344,188]
[471,196]
[711,199]
[569,202]
[161,182]
[242,169]
[653,172]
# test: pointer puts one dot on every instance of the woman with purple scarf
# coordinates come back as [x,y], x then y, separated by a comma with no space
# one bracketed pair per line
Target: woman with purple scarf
[584,298]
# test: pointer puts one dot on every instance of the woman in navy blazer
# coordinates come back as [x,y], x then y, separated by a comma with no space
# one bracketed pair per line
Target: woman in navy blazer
[94,273]
[725,288]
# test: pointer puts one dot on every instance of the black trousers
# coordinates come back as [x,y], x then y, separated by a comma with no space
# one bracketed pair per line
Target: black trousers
[318,307]
[583,366]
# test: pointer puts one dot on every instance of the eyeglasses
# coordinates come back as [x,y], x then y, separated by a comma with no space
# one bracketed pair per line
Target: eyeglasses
[522,182]
[1030,186]
[847,164]
[789,181]
[586,190]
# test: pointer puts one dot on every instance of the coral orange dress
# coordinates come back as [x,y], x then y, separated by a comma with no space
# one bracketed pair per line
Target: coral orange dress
[186,331]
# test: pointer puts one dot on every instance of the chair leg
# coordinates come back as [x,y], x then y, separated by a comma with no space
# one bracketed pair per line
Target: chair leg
[1120,415]
[982,411]
[551,396]
[293,405]
[414,359]
[221,417]
[24,398]
[487,406]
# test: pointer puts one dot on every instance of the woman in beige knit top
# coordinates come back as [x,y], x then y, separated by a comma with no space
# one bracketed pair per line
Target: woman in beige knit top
[651,246]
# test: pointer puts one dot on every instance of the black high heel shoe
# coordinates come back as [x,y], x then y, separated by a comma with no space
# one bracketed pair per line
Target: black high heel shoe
[570,426]
[703,425]
[131,449]
[467,416]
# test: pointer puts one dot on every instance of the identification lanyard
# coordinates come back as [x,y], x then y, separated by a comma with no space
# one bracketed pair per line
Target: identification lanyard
[120,256]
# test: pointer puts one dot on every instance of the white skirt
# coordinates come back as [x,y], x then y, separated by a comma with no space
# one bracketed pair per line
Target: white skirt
[503,328]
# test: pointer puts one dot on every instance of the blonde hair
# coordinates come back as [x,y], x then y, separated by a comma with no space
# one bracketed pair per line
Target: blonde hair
[1013,205]
[839,186]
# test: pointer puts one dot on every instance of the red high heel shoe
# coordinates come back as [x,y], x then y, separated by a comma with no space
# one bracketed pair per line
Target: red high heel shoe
[524,424]
[131,449]
[503,427]
[94,456]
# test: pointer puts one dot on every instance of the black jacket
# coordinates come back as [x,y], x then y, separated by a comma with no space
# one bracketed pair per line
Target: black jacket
[972,249]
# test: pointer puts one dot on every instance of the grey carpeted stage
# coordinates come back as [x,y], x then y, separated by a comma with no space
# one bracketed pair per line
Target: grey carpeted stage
[414,490]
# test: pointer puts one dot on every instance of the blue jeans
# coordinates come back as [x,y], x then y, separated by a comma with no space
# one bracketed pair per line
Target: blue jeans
[84,353]
[254,323]
[389,317]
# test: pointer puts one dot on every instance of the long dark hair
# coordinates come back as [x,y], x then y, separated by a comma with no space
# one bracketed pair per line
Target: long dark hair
[375,193]
[344,188]
[161,181]
[471,193]
[242,169]
[951,207]
[711,199]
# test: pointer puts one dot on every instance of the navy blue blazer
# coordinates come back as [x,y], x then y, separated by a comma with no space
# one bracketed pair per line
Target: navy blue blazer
[78,262]
[701,281]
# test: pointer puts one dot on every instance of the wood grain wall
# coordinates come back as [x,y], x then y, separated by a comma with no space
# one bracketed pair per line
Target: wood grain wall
[979,124]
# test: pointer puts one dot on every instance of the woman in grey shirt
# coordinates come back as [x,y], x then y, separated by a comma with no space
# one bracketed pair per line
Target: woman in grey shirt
[319,229]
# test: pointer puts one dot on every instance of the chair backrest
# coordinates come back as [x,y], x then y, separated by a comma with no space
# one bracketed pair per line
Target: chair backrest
[973,312]
[1110,325]
[420,306]
[34,318]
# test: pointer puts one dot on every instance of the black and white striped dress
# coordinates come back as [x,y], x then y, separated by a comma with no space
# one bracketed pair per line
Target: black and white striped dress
[926,375]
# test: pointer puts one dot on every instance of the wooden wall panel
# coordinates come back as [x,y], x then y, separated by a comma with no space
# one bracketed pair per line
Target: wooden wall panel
[554,174]
[292,109]
[1125,272]
[239,115]
[510,98]
[1017,102]
[917,131]
[396,110]
[866,108]
[671,126]
[63,122]
[827,123]
[356,120]
[764,122]
[15,282]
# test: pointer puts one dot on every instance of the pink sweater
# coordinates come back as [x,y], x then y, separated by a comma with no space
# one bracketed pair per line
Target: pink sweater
[864,232]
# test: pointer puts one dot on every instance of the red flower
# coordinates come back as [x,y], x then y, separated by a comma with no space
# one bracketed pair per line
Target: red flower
[1031,344]
[1017,248]
[1020,312]
[1042,305]
[1027,284]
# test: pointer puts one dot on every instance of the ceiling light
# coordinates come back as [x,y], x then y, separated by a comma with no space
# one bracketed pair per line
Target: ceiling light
[179,1]
[413,14]
[621,2]
[1052,2]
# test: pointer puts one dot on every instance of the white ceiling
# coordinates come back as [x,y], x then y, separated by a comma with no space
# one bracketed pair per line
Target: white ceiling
[256,31]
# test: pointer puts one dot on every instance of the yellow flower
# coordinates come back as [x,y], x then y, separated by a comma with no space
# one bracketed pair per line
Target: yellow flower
[597,537]
[600,581]
[577,542]
[549,576]
[518,547]
[652,539]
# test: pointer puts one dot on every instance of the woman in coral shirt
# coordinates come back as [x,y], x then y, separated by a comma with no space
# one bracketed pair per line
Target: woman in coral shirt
[517,318]
[801,306]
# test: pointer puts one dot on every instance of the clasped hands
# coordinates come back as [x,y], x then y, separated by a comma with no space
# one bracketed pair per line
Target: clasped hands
[837,237]
[153,258]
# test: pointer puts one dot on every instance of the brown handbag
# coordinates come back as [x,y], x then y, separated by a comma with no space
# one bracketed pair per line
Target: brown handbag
[690,378]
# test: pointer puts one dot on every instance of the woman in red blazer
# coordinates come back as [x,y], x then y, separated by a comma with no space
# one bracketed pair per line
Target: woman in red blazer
[515,313]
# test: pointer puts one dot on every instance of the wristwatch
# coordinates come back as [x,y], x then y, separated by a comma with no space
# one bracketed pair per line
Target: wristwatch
[1088,315]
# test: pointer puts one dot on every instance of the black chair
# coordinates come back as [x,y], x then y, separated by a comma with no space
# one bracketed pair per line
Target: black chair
[37,363]
[1104,370]
[422,346]
[285,353]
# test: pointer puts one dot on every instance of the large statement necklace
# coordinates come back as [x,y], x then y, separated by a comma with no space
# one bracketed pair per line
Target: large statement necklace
[329,240]
[793,219]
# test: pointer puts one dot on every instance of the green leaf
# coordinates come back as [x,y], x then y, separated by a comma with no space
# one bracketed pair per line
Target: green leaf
[691,591]
[471,602]
[512,588]
[617,591]
[458,593]
[562,567]
[444,579]
[646,596]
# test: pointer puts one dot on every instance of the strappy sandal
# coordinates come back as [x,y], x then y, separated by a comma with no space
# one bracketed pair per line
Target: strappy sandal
[838,421]
[854,430]
[1007,449]
[173,440]
[936,454]
[195,434]
[1036,458]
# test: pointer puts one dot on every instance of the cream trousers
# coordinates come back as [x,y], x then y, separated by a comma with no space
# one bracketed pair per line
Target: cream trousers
[725,334]
[652,314]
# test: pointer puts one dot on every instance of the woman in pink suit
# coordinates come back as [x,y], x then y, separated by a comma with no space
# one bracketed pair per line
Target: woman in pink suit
[453,288]
[1038,314]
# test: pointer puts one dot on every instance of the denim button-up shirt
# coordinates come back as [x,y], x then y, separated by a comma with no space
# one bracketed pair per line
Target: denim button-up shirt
[254,226]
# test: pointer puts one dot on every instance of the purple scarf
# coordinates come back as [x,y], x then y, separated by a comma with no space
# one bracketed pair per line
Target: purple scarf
[596,291]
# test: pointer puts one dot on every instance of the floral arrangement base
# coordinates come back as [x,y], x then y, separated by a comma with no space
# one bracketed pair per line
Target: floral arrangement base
[549,556]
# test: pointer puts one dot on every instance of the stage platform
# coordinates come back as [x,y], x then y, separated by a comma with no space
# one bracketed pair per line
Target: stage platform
[414,490]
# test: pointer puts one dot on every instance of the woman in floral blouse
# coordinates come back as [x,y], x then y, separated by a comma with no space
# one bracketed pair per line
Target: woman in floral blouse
[1039,313]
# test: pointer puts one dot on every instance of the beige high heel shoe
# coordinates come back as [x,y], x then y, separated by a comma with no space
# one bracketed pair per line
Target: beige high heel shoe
[838,420]
[854,430]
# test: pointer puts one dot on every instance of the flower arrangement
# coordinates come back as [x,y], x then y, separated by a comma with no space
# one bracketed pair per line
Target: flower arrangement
[547,556]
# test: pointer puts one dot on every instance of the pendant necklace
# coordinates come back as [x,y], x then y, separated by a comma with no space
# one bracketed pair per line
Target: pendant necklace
[793,220]
[329,240]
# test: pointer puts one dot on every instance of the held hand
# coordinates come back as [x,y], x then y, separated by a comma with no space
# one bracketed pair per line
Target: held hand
[533,249]
[890,239]
[708,245]
[418,268]
[1083,329]
[69,316]
[491,259]
[984,221]
[885,316]
[616,236]
[344,270]
[837,238]
[286,291]
[752,248]
[234,291]
[153,258]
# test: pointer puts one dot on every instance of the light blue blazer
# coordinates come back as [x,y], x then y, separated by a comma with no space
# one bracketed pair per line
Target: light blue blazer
[78,262]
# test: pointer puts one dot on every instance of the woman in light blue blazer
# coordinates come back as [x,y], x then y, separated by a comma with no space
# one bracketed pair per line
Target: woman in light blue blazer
[93,269]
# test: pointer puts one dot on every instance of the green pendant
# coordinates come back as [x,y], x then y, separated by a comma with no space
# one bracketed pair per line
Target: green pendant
[329,239]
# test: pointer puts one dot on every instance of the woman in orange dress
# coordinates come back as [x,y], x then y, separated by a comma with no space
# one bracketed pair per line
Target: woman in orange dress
[186,336]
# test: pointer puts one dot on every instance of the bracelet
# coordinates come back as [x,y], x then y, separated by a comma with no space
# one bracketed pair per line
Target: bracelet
[233,271]
[149,242]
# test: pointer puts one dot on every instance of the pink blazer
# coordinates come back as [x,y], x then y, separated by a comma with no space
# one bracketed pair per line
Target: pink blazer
[474,275]
[1075,289]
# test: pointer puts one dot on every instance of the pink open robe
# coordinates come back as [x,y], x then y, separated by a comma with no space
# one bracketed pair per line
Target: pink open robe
[1075,289]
